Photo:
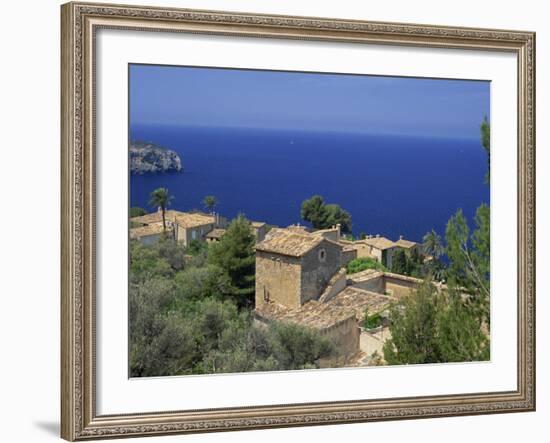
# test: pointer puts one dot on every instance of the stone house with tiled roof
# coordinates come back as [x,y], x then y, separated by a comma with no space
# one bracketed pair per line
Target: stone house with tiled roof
[182,226]
[380,248]
[151,233]
[294,267]
[409,245]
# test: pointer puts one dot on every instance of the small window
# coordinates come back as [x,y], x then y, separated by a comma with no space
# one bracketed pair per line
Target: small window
[322,255]
[194,235]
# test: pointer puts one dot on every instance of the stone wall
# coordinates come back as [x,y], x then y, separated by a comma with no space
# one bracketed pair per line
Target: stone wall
[278,279]
[336,285]
[348,255]
[400,286]
[185,235]
[363,250]
[318,268]
[375,284]
[345,335]
[260,233]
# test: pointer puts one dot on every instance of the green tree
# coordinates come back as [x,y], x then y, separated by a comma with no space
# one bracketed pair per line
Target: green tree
[210,202]
[413,327]
[298,347]
[433,244]
[146,263]
[171,251]
[486,143]
[470,258]
[235,255]
[161,342]
[324,216]
[434,248]
[137,212]
[363,263]
[460,333]
[161,198]
[199,283]
[313,210]
[399,262]
[371,321]
[432,327]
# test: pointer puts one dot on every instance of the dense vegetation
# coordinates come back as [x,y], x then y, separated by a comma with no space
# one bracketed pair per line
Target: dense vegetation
[190,312]
[364,263]
[433,327]
[408,263]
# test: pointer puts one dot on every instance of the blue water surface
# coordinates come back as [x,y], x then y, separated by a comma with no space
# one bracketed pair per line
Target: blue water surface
[391,185]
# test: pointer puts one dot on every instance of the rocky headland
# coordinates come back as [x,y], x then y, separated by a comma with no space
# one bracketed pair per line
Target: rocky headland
[150,158]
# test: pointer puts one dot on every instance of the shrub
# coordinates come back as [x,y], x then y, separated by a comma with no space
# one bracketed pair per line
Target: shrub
[363,263]
[372,321]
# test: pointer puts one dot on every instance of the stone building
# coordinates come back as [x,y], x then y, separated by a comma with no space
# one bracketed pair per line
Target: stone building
[381,248]
[293,267]
[151,233]
[300,279]
[259,229]
[184,227]
[408,245]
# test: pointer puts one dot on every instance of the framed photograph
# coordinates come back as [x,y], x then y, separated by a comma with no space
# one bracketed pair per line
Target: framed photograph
[277,221]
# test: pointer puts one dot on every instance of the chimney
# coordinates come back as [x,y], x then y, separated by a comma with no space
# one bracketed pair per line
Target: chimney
[159,209]
[377,235]
[400,237]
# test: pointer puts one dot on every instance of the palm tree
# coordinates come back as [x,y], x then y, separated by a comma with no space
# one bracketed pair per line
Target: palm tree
[210,202]
[161,198]
[433,244]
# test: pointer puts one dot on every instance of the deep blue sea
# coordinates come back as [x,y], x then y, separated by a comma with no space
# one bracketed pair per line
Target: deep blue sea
[391,185]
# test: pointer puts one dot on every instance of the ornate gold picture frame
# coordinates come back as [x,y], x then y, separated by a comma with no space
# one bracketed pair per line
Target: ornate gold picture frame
[80,23]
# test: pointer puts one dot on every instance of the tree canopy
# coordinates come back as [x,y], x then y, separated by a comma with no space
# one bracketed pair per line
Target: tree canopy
[433,327]
[161,198]
[324,216]
[235,255]
[486,143]
[210,202]
[184,320]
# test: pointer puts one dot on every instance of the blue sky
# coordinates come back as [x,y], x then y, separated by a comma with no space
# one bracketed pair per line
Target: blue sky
[183,96]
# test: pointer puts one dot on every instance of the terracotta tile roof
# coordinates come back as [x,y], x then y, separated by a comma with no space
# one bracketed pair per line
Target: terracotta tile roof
[363,276]
[312,314]
[325,231]
[215,233]
[183,219]
[299,228]
[289,242]
[379,242]
[356,300]
[144,231]
[154,217]
[191,220]
[348,304]
[407,244]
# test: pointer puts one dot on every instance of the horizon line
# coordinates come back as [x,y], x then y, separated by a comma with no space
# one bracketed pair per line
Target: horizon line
[287,129]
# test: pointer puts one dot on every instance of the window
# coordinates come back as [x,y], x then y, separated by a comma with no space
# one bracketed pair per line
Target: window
[322,255]
[193,235]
